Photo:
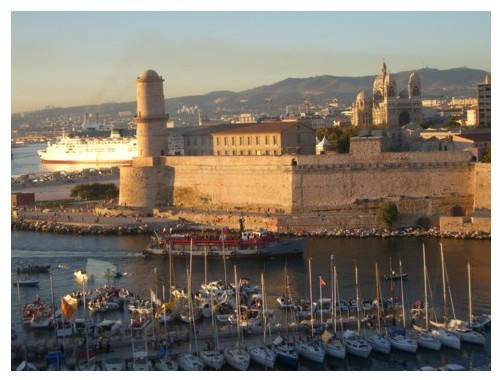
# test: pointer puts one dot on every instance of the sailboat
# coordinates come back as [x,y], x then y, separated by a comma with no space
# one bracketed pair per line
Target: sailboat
[332,345]
[236,356]
[398,337]
[260,353]
[189,361]
[446,338]
[464,329]
[285,352]
[424,338]
[379,342]
[311,349]
[354,343]
[213,358]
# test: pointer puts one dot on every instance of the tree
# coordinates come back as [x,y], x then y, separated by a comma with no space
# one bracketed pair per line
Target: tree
[486,156]
[388,213]
[94,191]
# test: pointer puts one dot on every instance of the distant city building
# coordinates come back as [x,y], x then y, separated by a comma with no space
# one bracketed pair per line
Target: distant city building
[471,120]
[254,139]
[386,106]
[246,118]
[484,102]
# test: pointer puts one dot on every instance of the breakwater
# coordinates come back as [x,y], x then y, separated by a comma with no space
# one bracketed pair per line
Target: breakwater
[137,228]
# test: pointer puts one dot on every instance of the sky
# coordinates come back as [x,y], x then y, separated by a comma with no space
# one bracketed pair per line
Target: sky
[64,57]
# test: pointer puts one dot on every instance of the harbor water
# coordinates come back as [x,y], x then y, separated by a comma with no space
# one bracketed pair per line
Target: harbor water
[67,253]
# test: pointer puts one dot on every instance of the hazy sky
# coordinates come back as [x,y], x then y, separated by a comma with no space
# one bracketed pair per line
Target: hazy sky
[65,58]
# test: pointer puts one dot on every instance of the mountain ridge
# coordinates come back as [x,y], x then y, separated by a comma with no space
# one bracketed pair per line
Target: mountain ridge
[460,81]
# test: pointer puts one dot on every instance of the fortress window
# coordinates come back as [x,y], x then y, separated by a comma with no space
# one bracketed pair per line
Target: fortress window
[233,141]
[257,140]
[275,140]
[249,140]
[225,141]
[241,140]
[267,140]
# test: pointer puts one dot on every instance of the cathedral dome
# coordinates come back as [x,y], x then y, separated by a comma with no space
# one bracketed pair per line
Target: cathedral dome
[361,96]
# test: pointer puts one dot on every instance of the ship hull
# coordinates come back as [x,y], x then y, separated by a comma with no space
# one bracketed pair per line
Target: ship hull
[287,247]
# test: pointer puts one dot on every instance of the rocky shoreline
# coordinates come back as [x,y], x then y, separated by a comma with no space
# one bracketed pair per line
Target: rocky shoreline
[149,228]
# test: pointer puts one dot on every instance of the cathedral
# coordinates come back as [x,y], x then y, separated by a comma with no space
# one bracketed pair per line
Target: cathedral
[387,107]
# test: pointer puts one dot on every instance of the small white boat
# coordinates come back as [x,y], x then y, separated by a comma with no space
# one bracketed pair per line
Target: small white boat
[108,327]
[91,365]
[380,343]
[356,345]
[262,355]
[465,333]
[310,350]
[27,282]
[212,358]
[427,340]
[189,362]
[166,364]
[285,302]
[140,362]
[26,366]
[113,364]
[285,352]
[451,367]
[400,341]
[334,348]
[237,357]
[447,338]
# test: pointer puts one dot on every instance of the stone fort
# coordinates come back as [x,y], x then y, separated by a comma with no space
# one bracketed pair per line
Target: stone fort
[300,190]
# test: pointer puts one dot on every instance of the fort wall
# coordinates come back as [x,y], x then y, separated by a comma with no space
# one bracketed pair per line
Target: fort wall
[327,187]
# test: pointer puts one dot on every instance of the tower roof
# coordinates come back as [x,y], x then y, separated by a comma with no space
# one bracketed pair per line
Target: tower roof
[149,76]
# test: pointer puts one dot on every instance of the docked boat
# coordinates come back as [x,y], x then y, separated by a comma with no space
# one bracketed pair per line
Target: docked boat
[26,282]
[190,362]
[311,350]
[355,344]
[108,328]
[237,357]
[113,364]
[224,243]
[33,269]
[396,276]
[400,341]
[115,149]
[285,352]
[213,359]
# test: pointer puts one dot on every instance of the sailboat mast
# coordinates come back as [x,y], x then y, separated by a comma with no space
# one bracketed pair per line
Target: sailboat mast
[379,300]
[334,297]
[357,297]
[425,291]
[237,303]
[444,284]
[470,293]
[402,293]
[311,299]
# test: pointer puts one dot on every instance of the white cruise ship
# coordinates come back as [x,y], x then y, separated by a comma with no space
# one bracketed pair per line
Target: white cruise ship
[116,149]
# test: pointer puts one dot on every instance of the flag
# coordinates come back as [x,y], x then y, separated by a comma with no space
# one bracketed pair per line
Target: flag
[67,308]
[321,281]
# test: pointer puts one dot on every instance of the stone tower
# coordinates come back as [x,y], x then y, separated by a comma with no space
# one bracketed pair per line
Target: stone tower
[148,182]
[151,117]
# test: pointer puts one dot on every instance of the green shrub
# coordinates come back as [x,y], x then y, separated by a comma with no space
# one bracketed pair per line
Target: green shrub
[94,191]
[388,213]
